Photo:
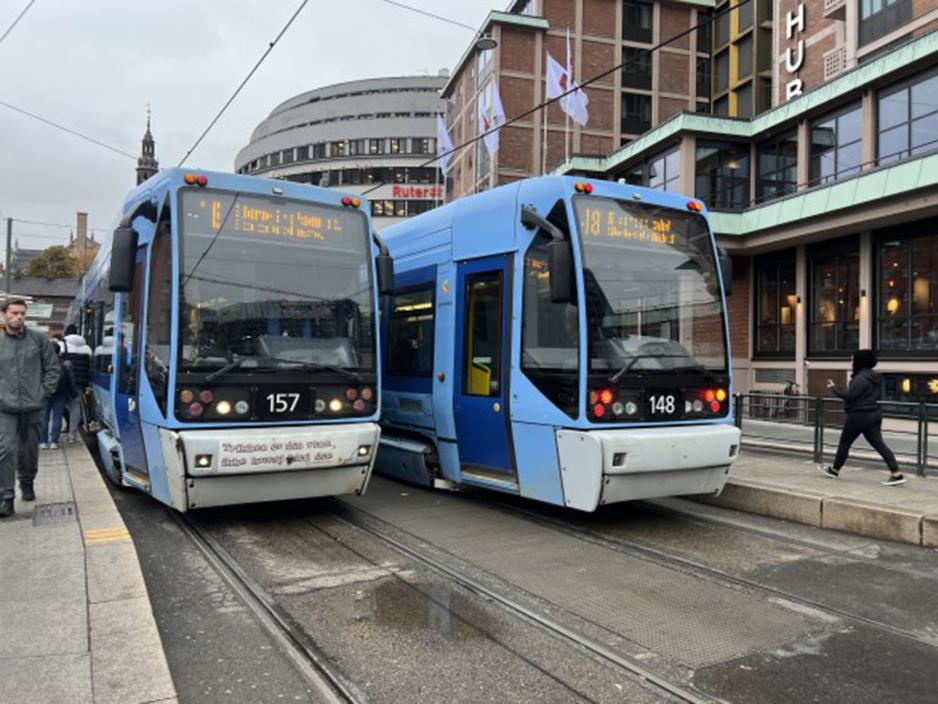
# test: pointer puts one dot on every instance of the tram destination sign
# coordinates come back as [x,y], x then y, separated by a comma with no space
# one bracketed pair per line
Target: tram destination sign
[263,218]
[616,221]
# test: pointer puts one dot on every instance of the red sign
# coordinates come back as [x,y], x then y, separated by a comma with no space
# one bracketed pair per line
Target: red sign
[416,192]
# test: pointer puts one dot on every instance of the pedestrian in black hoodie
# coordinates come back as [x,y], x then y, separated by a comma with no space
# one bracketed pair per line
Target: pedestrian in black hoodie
[863,417]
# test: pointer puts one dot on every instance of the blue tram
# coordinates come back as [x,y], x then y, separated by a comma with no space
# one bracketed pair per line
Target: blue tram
[562,340]
[234,326]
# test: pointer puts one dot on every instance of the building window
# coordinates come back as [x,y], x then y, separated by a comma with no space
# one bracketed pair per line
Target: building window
[722,180]
[636,69]
[880,17]
[338,148]
[421,145]
[376,146]
[744,106]
[744,57]
[483,65]
[835,146]
[637,21]
[396,146]
[302,153]
[703,78]
[356,147]
[744,15]
[834,315]
[722,70]
[721,106]
[778,166]
[664,172]
[636,113]
[907,294]
[908,120]
[704,31]
[319,150]
[410,334]
[722,34]
[286,156]
[776,303]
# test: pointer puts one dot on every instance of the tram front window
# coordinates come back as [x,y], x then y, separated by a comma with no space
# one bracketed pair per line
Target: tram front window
[273,284]
[652,293]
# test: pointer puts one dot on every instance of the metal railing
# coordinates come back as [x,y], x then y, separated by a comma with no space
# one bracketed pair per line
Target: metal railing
[796,422]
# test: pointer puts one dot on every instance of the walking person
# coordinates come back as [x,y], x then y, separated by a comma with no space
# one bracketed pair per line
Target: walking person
[63,395]
[78,354]
[29,374]
[863,417]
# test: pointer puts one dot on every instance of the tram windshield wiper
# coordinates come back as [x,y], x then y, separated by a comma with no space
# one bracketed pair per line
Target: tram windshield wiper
[694,368]
[233,364]
[312,367]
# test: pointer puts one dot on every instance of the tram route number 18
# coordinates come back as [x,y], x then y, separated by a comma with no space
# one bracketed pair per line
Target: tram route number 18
[282,402]
[663,404]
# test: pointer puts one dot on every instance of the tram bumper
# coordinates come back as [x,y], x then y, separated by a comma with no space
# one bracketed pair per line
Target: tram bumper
[623,464]
[218,467]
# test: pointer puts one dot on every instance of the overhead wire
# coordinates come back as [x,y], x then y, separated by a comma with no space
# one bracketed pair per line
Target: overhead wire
[411,8]
[541,106]
[244,82]
[17,20]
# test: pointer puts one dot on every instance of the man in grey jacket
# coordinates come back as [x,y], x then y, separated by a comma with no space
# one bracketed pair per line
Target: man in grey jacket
[29,374]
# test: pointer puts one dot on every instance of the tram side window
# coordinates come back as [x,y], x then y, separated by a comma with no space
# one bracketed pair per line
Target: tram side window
[104,336]
[482,358]
[159,309]
[410,337]
[549,333]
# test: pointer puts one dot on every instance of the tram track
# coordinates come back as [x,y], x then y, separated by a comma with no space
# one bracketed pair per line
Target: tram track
[325,682]
[714,575]
[661,685]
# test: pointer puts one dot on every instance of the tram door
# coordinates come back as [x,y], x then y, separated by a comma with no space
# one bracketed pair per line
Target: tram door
[127,360]
[480,376]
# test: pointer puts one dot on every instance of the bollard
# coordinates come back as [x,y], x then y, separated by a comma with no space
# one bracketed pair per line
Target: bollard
[818,429]
[922,459]
[739,411]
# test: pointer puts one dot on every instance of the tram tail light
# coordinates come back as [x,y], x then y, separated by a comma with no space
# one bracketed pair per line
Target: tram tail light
[201,180]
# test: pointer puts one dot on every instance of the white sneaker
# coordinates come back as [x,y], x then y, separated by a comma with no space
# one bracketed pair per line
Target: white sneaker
[53,446]
[43,446]
[71,440]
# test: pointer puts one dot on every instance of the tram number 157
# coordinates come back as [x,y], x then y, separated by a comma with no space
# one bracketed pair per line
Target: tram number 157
[663,404]
[282,402]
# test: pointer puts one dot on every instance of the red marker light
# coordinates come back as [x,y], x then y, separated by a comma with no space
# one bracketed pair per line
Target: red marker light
[206,396]
[201,180]
[588,187]
[715,406]
[195,410]
[599,410]
[359,405]
[695,206]
[351,394]
[346,201]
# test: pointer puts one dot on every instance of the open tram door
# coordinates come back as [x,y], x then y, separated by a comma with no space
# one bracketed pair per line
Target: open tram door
[480,378]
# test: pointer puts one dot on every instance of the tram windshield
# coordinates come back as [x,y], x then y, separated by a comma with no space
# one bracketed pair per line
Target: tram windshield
[652,290]
[273,284]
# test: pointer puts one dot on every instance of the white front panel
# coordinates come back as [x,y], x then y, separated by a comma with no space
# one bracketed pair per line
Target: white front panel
[581,464]
[253,450]
[639,450]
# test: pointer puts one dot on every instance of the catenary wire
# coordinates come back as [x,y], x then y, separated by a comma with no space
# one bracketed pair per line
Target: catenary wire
[517,118]
[67,129]
[17,20]
[243,83]
[429,14]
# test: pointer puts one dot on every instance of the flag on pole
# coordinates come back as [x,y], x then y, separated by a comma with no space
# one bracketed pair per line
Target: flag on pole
[444,145]
[575,103]
[488,123]
[557,82]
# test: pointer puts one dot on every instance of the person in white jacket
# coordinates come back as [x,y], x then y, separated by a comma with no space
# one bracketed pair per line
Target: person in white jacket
[79,354]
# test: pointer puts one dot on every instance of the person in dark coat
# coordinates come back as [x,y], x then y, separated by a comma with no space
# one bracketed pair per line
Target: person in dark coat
[863,417]
[64,392]
[78,354]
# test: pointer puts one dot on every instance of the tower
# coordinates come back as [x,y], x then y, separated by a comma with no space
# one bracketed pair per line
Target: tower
[147,165]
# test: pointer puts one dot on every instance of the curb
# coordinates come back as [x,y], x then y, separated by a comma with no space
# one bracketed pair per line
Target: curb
[831,512]
[128,663]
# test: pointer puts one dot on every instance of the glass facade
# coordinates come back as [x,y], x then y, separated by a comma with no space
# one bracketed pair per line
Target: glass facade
[907,293]
[778,166]
[880,17]
[722,175]
[776,305]
[834,315]
[835,145]
[908,120]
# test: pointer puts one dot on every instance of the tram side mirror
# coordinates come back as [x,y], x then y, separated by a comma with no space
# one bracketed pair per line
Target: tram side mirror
[385,266]
[123,260]
[561,282]
[726,270]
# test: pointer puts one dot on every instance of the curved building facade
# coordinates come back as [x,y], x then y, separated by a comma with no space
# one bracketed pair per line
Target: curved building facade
[354,136]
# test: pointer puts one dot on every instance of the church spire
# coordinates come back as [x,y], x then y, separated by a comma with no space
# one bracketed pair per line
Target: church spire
[147,165]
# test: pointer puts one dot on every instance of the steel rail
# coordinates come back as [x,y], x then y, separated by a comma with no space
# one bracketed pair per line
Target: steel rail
[675,690]
[312,666]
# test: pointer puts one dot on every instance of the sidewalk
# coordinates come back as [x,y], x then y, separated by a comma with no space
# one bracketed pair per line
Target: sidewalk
[789,486]
[77,624]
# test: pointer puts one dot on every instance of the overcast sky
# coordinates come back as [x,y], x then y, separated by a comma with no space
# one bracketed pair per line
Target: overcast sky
[93,66]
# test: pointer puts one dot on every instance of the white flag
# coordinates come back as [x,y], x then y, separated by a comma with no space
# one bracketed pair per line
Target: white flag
[444,145]
[557,82]
[488,123]
[575,103]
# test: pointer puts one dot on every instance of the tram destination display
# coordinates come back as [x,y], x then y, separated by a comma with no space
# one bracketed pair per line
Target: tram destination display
[615,221]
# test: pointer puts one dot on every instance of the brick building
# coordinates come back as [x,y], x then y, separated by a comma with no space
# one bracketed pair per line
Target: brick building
[623,105]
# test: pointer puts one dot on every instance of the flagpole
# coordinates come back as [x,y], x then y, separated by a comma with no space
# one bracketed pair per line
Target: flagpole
[544,146]
[566,139]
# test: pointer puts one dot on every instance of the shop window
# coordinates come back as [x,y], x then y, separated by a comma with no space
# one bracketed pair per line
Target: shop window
[722,174]
[778,166]
[410,336]
[880,17]
[835,146]
[834,314]
[776,304]
[907,293]
[908,120]
[637,21]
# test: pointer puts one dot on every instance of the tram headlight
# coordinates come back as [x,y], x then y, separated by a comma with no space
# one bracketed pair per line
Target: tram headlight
[320,405]
[203,461]
[242,408]
[223,408]
[618,408]
[335,405]
[698,406]
[631,408]
[364,450]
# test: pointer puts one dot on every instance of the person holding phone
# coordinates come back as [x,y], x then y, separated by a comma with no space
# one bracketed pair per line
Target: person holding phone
[863,417]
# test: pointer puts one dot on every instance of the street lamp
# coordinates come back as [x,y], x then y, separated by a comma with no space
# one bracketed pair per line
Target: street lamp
[485,42]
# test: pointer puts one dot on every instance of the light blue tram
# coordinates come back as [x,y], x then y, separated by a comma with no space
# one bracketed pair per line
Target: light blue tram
[562,340]
[233,323]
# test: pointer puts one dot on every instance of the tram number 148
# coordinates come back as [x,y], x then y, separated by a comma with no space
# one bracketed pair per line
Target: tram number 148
[662,404]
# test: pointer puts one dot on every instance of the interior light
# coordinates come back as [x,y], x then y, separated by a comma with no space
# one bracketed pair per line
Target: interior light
[906,385]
